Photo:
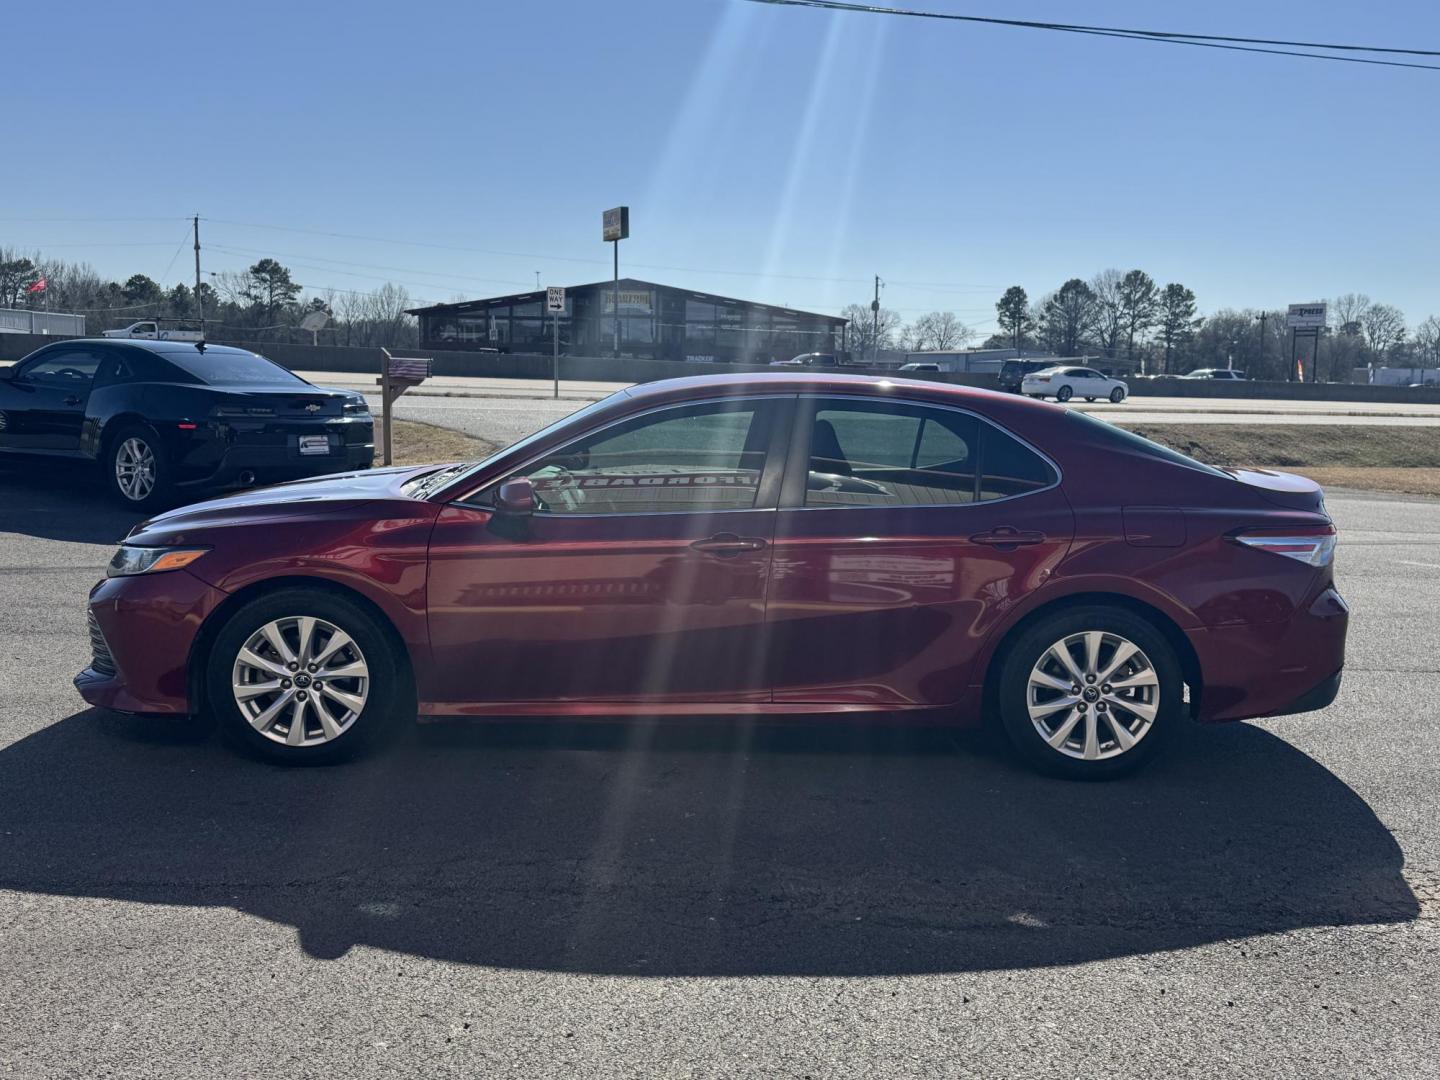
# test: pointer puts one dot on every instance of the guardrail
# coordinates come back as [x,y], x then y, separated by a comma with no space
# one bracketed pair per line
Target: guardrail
[44,323]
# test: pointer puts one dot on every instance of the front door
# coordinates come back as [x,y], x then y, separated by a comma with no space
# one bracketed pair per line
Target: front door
[641,578]
[905,532]
[44,403]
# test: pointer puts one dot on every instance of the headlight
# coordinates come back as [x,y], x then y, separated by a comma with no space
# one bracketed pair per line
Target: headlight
[130,560]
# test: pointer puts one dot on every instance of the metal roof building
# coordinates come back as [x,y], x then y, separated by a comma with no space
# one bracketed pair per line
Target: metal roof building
[653,321]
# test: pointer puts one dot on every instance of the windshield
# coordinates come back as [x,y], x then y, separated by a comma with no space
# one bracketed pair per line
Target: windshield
[458,475]
[232,367]
[1122,438]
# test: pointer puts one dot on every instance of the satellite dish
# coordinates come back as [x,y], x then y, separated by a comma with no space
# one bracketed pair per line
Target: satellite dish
[316,320]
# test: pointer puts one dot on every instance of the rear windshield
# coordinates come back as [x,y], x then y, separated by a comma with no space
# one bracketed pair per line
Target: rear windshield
[232,367]
[1119,439]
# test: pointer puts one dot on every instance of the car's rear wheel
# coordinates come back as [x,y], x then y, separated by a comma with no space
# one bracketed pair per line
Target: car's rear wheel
[1065,393]
[1090,693]
[135,468]
[305,676]
[1117,395]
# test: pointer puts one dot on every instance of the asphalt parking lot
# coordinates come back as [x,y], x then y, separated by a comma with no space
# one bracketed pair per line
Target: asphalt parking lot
[677,898]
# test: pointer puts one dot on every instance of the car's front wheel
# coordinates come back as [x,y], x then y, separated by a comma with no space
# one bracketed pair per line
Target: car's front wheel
[1065,393]
[1117,395]
[1090,693]
[135,468]
[305,676]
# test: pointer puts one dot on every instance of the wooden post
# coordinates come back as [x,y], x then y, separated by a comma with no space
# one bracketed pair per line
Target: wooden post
[385,408]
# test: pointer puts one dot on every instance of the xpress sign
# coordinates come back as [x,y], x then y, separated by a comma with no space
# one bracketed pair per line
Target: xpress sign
[1305,317]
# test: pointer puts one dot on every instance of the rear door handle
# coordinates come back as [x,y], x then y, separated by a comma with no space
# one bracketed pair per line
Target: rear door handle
[727,544]
[1006,537]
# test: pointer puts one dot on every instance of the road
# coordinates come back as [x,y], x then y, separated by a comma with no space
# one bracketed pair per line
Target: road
[455,402]
[722,899]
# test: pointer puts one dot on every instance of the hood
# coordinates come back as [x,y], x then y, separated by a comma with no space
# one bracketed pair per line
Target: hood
[298,498]
[1281,488]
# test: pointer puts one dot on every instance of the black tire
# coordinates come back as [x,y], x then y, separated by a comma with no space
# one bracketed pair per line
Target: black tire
[1065,393]
[385,688]
[1033,646]
[1089,399]
[127,441]
[1116,396]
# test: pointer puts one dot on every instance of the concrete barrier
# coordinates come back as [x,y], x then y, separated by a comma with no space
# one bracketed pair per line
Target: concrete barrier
[339,358]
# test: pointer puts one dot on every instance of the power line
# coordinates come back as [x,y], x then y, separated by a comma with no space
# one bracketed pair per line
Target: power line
[1209,41]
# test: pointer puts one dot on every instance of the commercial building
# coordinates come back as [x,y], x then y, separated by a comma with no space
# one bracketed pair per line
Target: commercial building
[658,322]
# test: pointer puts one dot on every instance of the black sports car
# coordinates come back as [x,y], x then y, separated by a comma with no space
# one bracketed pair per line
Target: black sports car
[163,417]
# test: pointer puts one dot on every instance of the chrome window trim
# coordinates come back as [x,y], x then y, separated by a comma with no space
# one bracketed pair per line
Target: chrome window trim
[625,420]
[1059,475]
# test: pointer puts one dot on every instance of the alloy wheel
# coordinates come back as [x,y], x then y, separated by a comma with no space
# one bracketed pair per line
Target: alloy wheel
[300,681]
[1093,695]
[135,469]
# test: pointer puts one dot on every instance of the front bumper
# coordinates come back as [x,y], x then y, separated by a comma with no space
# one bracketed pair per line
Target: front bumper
[141,633]
[1273,669]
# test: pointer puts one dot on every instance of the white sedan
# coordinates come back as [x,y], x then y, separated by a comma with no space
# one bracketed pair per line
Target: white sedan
[1063,383]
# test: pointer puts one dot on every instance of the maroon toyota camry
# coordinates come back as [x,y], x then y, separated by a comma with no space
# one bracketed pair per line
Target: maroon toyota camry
[798,543]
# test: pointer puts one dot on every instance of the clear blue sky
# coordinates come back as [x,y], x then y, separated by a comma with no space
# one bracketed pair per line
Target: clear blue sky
[787,147]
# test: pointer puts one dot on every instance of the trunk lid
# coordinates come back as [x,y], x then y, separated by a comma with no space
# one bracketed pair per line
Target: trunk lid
[1281,488]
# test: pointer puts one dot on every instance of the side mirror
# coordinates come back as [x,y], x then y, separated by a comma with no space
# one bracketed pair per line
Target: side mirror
[516,496]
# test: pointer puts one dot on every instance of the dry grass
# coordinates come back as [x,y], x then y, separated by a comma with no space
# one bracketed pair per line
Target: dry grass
[423,444]
[1369,457]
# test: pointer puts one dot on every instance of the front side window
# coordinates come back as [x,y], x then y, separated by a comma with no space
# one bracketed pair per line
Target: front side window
[693,459]
[65,368]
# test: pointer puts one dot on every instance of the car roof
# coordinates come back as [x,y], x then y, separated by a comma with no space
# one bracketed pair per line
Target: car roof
[156,346]
[690,387]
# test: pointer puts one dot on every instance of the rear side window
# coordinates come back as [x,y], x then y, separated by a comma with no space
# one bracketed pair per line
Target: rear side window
[220,366]
[1010,467]
[890,454]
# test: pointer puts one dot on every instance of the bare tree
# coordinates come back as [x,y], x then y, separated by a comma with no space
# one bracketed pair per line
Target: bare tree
[939,331]
[1346,312]
[1427,343]
[864,338]
[1108,323]
[1384,328]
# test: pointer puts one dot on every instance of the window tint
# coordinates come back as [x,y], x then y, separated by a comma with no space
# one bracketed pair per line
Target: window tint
[67,368]
[700,458]
[890,454]
[1010,467]
[132,365]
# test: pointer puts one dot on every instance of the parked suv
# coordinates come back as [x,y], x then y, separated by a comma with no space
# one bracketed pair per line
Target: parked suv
[1013,372]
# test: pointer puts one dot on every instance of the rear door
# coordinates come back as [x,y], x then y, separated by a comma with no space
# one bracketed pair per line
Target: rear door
[642,577]
[905,532]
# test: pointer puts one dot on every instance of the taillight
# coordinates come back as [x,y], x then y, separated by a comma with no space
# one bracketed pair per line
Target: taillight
[1314,548]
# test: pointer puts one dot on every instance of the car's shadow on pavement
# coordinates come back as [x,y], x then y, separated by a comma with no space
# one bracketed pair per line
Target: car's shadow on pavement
[674,848]
[59,500]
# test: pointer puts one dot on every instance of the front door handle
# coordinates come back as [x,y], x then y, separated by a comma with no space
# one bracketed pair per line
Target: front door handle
[1007,537]
[727,545]
[72,400]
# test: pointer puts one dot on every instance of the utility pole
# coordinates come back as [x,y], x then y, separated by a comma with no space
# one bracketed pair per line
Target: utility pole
[875,323]
[1262,317]
[199,300]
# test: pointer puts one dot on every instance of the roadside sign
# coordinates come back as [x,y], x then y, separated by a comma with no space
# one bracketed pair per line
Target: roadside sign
[616,224]
[1305,317]
[554,301]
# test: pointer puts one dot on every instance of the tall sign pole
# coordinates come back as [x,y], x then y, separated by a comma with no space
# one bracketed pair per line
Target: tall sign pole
[615,226]
[555,305]
[1307,320]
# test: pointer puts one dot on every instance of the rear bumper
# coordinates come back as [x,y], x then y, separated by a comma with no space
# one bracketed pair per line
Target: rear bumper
[243,466]
[142,633]
[1273,669]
